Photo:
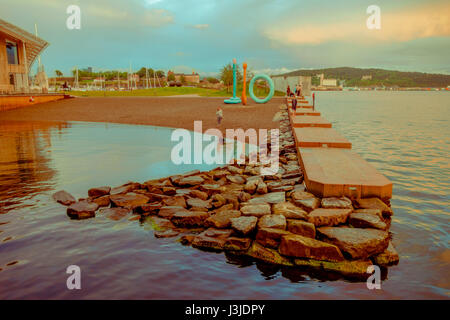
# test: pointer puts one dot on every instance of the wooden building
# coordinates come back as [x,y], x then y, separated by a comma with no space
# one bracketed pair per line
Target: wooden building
[18,51]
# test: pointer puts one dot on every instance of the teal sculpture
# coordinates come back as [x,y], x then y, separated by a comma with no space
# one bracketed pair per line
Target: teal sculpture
[233,99]
[271,92]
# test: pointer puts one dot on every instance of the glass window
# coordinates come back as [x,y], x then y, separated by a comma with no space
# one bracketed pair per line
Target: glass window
[11,52]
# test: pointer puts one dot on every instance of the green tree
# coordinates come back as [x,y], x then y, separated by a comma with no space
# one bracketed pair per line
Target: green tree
[58,73]
[226,75]
[183,79]
[160,74]
[171,77]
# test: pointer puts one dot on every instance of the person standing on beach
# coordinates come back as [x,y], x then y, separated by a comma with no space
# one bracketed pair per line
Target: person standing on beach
[288,91]
[294,103]
[219,115]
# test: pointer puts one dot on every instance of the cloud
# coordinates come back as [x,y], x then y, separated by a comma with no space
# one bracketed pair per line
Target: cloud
[158,17]
[407,24]
[200,26]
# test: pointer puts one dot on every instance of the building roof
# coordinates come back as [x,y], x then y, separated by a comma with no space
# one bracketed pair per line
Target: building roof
[33,45]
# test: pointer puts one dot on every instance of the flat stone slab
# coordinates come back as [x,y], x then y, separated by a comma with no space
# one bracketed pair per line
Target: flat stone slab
[222,219]
[303,228]
[270,237]
[289,210]
[244,225]
[189,218]
[320,137]
[306,112]
[257,210]
[129,200]
[272,198]
[328,217]
[303,247]
[387,257]
[82,210]
[64,198]
[366,220]
[310,121]
[277,221]
[358,243]
[336,172]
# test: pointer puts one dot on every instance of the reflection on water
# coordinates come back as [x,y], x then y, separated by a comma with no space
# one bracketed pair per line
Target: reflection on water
[405,135]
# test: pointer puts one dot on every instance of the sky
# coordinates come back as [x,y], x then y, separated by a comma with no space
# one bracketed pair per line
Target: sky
[272,36]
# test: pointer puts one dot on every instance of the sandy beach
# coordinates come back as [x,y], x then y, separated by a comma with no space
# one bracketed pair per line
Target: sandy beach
[175,112]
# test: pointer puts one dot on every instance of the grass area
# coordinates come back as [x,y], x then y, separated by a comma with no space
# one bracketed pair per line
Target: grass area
[171,91]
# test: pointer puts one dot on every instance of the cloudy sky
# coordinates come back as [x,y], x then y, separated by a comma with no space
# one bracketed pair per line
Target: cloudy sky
[272,36]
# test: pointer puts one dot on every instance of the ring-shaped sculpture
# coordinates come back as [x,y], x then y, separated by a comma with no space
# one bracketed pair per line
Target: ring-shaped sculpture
[269,81]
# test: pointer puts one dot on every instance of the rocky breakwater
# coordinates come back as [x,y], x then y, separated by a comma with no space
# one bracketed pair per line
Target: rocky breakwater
[271,218]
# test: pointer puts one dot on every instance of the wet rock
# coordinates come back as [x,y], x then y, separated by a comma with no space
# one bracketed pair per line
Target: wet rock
[189,218]
[189,181]
[101,201]
[218,200]
[64,198]
[199,203]
[356,242]
[211,239]
[328,217]
[236,179]
[374,203]
[148,208]
[169,211]
[98,192]
[270,237]
[302,228]
[244,225]
[125,188]
[304,247]
[210,189]
[257,210]
[237,244]
[82,210]
[186,239]
[160,224]
[308,204]
[273,197]
[337,203]
[178,201]
[168,233]
[129,200]
[355,268]
[169,191]
[115,214]
[289,210]
[198,194]
[244,196]
[387,257]
[272,256]
[222,219]
[364,220]
[376,212]
[277,221]
[261,188]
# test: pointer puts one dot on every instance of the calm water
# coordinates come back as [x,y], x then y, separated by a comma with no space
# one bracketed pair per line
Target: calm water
[404,135]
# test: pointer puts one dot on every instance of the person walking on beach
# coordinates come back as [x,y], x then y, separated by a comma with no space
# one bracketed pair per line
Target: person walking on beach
[219,115]
[288,91]
[294,103]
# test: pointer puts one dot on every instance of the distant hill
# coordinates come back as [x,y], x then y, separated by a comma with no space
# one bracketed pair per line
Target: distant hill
[380,77]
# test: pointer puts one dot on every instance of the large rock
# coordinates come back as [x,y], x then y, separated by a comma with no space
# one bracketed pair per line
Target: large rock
[244,225]
[302,228]
[235,170]
[189,218]
[337,203]
[115,213]
[289,210]
[82,210]
[125,188]
[189,181]
[64,198]
[159,224]
[199,203]
[175,201]
[376,212]
[169,211]
[272,256]
[270,237]
[211,239]
[350,268]
[257,210]
[222,219]
[210,189]
[356,242]
[364,220]
[328,217]
[244,196]
[251,185]
[272,197]
[374,203]
[198,194]
[302,195]
[387,257]
[102,201]
[218,200]
[261,188]
[98,192]
[304,247]
[129,200]
[237,244]
[277,221]
[309,204]
[236,179]
[148,208]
